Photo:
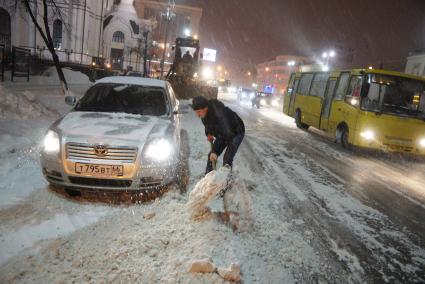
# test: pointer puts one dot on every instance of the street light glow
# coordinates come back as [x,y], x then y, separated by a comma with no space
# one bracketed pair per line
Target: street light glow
[187,32]
[291,63]
[267,69]
[325,68]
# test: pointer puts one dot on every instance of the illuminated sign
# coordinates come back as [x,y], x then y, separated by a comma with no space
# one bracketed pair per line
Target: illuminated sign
[210,54]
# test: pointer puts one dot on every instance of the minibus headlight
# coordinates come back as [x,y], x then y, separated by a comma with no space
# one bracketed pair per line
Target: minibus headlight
[422,143]
[368,135]
[263,102]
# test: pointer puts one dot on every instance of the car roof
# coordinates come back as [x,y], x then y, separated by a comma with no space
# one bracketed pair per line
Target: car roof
[133,81]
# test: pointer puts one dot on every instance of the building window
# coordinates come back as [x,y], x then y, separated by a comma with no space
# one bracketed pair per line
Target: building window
[118,37]
[57,34]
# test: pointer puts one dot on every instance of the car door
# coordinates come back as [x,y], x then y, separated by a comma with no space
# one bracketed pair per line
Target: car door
[175,117]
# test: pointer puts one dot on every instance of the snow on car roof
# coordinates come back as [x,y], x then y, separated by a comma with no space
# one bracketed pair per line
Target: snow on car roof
[132,81]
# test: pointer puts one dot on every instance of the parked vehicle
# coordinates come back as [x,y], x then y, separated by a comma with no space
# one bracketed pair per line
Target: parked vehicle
[123,134]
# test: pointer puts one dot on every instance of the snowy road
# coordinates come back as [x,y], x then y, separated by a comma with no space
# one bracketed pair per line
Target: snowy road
[368,210]
[320,214]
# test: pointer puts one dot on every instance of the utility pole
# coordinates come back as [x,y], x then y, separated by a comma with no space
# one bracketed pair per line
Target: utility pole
[100,31]
[167,17]
[84,29]
[145,53]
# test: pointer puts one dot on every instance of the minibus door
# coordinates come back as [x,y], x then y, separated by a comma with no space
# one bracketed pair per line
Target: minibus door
[293,96]
[327,104]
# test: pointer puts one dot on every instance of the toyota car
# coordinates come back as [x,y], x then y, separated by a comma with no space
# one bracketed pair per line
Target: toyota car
[123,134]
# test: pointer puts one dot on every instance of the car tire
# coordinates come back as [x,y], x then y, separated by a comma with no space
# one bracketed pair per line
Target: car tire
[298,121]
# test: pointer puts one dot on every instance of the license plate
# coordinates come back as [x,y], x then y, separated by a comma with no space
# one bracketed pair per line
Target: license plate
[99,170]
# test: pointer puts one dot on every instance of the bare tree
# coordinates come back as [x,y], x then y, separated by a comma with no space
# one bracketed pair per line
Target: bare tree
[45,33]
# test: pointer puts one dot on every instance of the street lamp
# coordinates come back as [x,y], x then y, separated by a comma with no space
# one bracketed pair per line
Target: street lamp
[167,17]
[327,55]
[267,69]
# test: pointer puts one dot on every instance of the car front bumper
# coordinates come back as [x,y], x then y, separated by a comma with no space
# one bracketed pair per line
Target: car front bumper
[60,172]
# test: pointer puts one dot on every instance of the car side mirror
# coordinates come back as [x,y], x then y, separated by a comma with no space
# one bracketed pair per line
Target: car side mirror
[182,109]
[71,100]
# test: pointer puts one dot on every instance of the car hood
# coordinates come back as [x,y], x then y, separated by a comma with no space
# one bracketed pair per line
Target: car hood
[110,128]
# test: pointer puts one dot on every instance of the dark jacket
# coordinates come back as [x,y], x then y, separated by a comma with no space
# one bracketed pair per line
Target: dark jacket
[222,122]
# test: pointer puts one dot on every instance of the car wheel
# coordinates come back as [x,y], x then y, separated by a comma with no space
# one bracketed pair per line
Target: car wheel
[298,121]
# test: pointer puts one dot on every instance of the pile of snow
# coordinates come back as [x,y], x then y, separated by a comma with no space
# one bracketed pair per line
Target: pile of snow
[21,106]
[205,190]
[235,207]
[50,77]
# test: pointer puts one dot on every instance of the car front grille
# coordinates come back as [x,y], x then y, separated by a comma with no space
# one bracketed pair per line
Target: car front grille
[114,153]
[100,182]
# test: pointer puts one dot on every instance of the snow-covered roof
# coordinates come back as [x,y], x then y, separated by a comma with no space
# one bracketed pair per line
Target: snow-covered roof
[133,81]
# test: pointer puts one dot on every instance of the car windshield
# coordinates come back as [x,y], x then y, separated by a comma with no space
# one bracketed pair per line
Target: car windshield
[125,98]
[395,95]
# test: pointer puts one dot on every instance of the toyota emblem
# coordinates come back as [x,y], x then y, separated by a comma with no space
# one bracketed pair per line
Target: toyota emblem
[100,150]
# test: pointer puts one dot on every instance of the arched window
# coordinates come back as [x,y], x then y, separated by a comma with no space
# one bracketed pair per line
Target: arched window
[57,34]
[118,37]
[4,27]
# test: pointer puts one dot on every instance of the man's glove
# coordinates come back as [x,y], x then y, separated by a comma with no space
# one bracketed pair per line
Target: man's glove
[213,157]
[210,138]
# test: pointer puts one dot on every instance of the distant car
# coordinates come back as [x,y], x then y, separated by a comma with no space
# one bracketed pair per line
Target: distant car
[245,94]
[264,99]
[123,134]
[134,74]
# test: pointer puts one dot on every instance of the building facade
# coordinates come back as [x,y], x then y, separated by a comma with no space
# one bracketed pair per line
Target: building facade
[416,63]
[273,76]
[81,30]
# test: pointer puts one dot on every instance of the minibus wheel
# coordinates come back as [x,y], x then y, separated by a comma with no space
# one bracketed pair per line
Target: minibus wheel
[342,136]
[298,121]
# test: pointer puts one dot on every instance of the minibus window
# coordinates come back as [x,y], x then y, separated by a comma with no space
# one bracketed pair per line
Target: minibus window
[305,83]
[354,90]
[342,86]
[395,95]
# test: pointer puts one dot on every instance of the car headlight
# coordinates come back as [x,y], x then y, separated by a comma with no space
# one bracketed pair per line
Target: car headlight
[159,150]
[51,142]
[252,95]
[368,135]
[263,102]
[422,143]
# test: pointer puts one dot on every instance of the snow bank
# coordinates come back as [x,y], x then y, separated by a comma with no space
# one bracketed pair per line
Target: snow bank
[50,77]
[21,106]
[12,243]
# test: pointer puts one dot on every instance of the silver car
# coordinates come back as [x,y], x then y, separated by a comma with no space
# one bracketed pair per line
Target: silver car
[123,134]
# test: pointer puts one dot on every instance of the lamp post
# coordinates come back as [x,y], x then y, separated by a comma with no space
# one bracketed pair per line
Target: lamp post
[167,17]
[327,55]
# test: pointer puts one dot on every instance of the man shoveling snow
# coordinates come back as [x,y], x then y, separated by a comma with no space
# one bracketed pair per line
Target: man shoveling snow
[225,130]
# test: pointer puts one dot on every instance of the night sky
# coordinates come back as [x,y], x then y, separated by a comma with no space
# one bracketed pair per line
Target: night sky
[363,32]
